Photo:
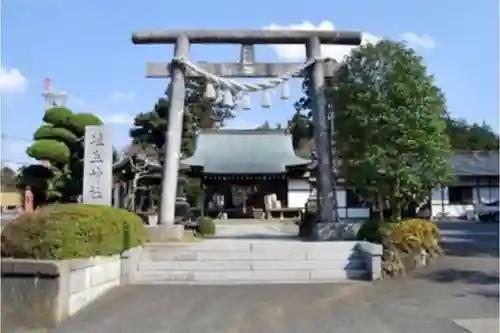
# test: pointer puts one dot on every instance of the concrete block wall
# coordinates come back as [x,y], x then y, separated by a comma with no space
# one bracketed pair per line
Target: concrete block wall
[91,278]
[372,254]
[43,293]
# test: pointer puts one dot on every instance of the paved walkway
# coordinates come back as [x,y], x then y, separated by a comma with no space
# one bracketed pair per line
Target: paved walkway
[458,292]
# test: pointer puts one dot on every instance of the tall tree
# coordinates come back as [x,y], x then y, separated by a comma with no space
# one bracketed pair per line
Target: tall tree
[58,145]
[300,127]
[389,130]
[463,136]
[150,127]
[8,179]
[471,137]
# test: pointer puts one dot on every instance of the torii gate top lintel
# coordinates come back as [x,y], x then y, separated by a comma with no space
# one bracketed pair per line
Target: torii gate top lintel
[247,36]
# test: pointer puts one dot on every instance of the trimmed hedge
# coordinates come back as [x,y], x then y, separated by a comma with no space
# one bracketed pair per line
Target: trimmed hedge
[406,235]
[70,231]
[374,231]
[206,226]
[414,235]
[403,242]
[49,150]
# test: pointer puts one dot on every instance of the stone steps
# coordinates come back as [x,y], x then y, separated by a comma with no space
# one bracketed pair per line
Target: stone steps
[241,261]
[250,277]
[251,265]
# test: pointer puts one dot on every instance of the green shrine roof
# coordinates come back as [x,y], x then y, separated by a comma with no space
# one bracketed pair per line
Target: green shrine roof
[244,152]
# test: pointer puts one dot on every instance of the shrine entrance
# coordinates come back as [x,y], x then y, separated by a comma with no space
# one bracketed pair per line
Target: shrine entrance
[219,83]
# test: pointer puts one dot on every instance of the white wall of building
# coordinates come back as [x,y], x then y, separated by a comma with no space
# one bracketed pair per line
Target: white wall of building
[441,206]
[298,192]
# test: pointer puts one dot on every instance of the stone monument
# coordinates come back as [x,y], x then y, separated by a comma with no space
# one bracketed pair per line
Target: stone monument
[97,166]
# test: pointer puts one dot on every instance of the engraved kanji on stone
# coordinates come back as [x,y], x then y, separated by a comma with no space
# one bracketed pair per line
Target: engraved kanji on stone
[97,139]
[96,172]
[95,192]
[96,157]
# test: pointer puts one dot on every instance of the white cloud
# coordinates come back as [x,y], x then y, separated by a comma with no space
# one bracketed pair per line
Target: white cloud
[12,81]
[119,119]
[120,97]
[416,41]
[297,52]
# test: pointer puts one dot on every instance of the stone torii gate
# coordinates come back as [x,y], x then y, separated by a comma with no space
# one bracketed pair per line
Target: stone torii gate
[178,70]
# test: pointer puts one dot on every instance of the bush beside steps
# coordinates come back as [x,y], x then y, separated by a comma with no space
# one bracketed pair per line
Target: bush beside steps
[206,226]
[408,244]
[71,231]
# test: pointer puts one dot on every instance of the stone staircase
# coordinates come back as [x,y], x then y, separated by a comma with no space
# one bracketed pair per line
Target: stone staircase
[251,261]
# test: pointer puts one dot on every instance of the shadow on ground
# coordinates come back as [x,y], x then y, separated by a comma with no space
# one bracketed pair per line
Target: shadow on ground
[470,239]
[463,276]
[494,295]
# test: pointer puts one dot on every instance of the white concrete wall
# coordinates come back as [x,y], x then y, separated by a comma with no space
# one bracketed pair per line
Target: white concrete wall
[441,206]
[91,278]
[349,212]
[298,192]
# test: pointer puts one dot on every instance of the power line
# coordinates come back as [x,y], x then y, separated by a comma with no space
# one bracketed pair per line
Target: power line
[16,165]
[9,137]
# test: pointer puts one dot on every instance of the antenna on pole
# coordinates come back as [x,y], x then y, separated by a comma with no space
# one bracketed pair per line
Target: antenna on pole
[52,98]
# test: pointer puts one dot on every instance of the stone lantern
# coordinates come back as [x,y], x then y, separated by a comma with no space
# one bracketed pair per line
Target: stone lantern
[182,206]
[311,207]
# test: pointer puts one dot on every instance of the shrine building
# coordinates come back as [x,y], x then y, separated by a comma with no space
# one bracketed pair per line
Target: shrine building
[244,166]
[240,168]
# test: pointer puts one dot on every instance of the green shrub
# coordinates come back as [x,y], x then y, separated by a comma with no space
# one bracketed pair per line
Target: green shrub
[374,231]
[49,132]
[49,150]
[69,231]
[206,226]
[78,122]
[415,235]
[404,242]
[58,116]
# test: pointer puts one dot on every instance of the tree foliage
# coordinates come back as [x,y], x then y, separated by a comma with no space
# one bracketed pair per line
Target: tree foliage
[58,144]
[8,179]
[471,137]
[390,133]
[150,127]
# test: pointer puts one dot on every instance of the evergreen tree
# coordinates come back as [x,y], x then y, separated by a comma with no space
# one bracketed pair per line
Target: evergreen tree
[150,127]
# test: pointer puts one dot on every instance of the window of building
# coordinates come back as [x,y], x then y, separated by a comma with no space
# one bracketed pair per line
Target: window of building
[460,195]
[353,200]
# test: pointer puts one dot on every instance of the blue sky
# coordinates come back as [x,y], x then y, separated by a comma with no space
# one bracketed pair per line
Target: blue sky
[84,47]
